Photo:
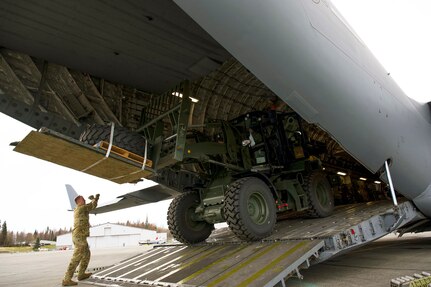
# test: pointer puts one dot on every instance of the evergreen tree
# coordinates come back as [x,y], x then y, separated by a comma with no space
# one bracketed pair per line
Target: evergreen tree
[3,234]
[36,245]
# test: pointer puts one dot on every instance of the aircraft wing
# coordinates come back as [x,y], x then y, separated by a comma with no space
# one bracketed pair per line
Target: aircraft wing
[143,196]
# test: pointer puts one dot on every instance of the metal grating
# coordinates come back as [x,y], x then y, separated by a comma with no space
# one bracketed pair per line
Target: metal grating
[225,261]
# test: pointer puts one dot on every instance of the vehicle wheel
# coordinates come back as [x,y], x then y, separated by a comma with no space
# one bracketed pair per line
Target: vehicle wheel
[123,138]
[320,196]
[181,222]
[249,209]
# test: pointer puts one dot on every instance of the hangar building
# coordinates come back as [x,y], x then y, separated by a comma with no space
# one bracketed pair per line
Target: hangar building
[114,235]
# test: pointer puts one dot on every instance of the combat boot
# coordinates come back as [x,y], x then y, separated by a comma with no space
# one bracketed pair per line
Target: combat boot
[84,276]
[69,283]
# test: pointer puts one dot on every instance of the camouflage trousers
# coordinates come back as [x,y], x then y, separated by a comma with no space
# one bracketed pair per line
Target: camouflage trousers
[81,257]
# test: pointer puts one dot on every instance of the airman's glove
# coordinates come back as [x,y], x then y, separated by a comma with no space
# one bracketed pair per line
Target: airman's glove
[91,197]
[97,196]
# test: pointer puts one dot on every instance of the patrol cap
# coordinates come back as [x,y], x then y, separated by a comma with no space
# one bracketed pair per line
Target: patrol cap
[78,196]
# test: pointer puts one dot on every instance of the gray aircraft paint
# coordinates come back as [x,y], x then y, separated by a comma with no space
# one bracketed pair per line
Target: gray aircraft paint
[306,53]
[72,194]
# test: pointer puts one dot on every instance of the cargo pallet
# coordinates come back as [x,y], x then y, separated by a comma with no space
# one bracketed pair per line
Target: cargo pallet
[124,153]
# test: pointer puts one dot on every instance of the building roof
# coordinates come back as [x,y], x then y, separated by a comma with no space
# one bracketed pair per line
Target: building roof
[120,229]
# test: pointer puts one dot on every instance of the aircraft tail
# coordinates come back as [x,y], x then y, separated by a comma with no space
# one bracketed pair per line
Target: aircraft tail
[72,195]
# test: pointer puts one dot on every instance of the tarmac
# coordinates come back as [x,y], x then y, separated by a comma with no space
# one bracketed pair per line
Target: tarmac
[47,268]
[372,265]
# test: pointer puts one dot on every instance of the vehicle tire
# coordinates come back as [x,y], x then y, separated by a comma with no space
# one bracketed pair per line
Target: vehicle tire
[180,219]
[249,209]
[123,138]
[320,195]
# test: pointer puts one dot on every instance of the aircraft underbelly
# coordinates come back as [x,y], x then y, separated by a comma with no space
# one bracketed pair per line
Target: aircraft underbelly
[304,52]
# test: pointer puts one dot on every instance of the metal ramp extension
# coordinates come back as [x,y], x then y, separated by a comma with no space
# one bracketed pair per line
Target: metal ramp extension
[212,265]
[225,261]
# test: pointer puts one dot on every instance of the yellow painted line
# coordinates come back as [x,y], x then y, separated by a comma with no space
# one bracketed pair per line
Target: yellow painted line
[203,256]
[270,265]
[244,264]
[421,282]
[202,270]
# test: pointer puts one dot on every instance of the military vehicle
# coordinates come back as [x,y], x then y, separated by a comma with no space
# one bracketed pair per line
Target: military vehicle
[243,171]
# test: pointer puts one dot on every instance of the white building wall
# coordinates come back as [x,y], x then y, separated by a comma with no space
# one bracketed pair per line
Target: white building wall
[113,241]
[64,241]
[111,235]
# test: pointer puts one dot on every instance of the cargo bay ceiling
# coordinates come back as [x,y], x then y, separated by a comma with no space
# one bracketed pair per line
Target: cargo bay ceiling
[150,45]
[66,64]
[133,50]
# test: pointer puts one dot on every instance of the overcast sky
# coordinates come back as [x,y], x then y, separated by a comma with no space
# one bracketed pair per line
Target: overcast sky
[32,191]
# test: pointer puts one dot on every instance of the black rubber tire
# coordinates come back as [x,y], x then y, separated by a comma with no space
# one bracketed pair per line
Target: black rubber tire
[238,205]
[123,138]
[180,222]
[320,195]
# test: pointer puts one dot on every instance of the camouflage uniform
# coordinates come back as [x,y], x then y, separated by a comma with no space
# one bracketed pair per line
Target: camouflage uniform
[81,230]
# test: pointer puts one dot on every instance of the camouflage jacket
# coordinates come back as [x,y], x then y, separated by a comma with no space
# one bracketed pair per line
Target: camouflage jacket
[81,226]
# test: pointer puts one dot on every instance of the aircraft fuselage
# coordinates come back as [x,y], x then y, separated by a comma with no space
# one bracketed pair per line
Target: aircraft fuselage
[306,53]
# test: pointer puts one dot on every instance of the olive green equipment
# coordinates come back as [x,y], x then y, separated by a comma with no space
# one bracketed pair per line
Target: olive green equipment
[243,172]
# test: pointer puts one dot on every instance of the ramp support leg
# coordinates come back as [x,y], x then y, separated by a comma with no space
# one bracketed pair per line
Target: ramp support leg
[298,274]
[391,185]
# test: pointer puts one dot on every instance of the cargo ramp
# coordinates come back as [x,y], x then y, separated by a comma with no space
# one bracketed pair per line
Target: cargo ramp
[116,165]
[225,261]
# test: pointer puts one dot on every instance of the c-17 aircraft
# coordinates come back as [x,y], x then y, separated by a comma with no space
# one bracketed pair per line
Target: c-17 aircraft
[222,141]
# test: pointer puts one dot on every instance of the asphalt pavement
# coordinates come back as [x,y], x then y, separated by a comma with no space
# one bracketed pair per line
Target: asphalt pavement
[374,264]
[47,268]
